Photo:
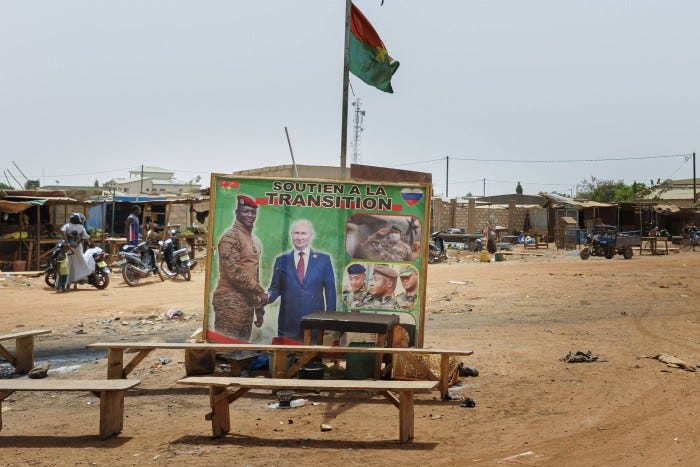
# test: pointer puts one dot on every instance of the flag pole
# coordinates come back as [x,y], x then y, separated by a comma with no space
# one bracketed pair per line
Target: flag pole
[346,79]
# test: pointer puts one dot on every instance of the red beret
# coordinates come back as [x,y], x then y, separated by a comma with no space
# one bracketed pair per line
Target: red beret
[244,200]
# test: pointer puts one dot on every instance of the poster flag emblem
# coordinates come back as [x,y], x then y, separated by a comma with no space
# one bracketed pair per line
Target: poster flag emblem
[411,195]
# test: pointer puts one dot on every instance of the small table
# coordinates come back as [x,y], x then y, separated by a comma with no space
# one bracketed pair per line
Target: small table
[350,321]
[23,360]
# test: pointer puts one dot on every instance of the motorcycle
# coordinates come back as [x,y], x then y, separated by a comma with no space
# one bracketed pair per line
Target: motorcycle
[175,260]
[138,262]
[95,259]
[436,248]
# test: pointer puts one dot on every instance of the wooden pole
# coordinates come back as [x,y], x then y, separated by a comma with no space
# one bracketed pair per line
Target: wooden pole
[346,80]
[38,237]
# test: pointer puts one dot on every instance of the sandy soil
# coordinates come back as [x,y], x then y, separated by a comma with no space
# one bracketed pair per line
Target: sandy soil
[520,317]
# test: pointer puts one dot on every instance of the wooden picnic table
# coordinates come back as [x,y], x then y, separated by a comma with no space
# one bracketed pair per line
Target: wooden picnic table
[117,368]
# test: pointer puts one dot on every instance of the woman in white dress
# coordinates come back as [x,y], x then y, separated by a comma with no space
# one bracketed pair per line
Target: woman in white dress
[74,234]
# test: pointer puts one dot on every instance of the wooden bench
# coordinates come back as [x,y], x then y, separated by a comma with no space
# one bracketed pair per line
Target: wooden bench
[23,359]
[110,392]
[117,369]
[220,397]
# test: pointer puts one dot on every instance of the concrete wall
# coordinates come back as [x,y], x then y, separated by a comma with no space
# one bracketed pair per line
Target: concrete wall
[467,215]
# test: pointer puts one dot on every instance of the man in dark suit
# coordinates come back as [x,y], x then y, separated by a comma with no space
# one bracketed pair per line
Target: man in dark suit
[305,280]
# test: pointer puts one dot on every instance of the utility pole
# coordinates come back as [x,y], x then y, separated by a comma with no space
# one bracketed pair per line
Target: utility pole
[141,190]
[357,130]
[447,176]
[695,191]
[484,195]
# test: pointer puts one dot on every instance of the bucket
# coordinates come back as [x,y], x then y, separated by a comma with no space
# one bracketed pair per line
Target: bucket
[359,365]
[484,256]
[499,256]
[19,266]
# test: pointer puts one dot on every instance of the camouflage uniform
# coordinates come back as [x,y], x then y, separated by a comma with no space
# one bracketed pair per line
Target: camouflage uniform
[405,301]
[234,299]
[379,247]
[379,302]
[355,299]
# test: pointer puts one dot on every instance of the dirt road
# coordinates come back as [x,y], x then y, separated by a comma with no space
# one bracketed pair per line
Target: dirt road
[520,317]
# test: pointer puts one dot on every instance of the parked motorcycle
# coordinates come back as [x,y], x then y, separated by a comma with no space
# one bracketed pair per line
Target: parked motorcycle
[175,260]
[95,259]
[436,248]
[51,271]
[138,262]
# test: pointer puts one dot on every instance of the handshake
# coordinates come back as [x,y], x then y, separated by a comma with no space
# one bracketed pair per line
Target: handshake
[261,300]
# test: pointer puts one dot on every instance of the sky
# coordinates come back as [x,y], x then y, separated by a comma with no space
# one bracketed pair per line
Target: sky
[90,89]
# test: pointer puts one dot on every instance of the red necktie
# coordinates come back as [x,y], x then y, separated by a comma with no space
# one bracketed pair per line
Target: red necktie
[300,267]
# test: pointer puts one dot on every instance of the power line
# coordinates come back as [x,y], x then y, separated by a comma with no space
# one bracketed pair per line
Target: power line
[551,161]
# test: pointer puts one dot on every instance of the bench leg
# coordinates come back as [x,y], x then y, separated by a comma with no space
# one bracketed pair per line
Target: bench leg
[24,354]
[220,418]
[115,364]
[111,413]
[444,385]
[405,416]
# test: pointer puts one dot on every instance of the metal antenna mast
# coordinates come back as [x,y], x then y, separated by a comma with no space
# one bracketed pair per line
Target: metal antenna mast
[357,130]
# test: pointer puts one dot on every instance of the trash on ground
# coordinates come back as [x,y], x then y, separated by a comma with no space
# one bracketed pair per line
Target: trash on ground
[465,370]
[172,313]
[671,361]
[580,357]
[326,427]
[468,402]
[39,371]
[514,458]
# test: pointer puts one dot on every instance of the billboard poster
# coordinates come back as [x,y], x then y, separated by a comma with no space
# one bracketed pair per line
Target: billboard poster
[279,249]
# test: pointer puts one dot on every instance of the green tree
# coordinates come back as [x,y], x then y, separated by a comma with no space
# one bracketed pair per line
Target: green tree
[5,187]
[609,191]
[519,189]
[97,184]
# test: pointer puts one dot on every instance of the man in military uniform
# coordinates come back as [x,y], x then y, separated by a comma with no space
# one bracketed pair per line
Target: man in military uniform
[409,280]
[238,295]
[357,275]
[396,246]
[381,288]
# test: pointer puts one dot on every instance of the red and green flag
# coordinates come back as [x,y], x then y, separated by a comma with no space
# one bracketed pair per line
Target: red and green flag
[369,59]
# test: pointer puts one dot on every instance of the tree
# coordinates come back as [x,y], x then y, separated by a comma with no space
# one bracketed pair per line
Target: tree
[609,191]
[5,187]
[518,189]
[97,184]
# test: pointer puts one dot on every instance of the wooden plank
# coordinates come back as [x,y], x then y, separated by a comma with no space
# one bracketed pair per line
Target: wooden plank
[220,417]
[24,354]
[272,348]
[406,414]
[7,356]
[444,375]
[111,413]
[20,334]
[115,363]
[25,384]
[309,384]
[135,361]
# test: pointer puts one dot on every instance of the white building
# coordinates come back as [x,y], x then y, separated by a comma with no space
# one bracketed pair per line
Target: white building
[153,181]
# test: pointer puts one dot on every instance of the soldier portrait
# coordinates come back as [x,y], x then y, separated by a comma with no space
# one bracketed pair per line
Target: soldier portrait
[408,276]
[357,286]
[381,288]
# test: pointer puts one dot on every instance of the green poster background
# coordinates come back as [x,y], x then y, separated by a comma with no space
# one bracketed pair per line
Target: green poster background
[343,214]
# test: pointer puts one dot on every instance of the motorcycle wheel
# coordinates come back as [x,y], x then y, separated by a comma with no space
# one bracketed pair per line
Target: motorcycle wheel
[585,253]
[101,281]
[609,253]
[186,273]
[166,270]
[130,276]
[628,253]
[50,278]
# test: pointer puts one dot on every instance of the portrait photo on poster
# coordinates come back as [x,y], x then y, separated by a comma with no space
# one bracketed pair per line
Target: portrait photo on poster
[378,286]
[383,237]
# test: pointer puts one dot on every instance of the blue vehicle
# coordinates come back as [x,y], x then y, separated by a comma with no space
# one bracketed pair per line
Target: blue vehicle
[605,241]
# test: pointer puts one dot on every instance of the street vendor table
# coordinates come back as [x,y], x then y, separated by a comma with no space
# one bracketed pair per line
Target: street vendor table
[654,245]
[351,321]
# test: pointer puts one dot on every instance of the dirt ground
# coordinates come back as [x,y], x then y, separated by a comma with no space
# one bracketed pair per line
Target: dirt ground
[519,316]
